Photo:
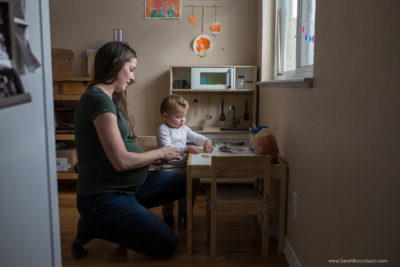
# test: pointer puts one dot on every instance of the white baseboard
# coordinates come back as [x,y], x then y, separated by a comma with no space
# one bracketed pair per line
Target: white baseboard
[290,255]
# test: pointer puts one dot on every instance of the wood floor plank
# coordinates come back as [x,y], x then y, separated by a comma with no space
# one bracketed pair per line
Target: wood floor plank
[236,246]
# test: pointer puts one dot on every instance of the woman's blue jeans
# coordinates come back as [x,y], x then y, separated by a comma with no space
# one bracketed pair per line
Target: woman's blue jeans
[126,219]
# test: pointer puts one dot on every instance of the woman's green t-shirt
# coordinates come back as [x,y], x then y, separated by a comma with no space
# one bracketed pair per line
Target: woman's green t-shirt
[96,175]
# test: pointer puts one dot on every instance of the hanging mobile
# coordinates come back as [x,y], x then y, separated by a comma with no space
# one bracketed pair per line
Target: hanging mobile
[216,27]
[192,19]
[203,43]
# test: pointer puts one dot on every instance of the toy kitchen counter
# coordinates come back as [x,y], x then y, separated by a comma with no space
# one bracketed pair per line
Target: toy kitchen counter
[221,135]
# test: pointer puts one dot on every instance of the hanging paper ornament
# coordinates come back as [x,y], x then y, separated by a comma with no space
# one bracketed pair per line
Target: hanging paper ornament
[192,19]
[202,44]
[216,28]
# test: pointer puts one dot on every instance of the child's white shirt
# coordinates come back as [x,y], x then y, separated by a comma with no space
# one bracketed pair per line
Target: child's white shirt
[177,138]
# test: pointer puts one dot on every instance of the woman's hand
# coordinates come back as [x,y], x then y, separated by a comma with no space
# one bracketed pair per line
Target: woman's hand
[159,162]
[192,149]
[208,147]
[169,153]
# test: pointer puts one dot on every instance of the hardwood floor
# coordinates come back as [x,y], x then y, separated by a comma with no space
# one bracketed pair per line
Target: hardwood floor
[235,244]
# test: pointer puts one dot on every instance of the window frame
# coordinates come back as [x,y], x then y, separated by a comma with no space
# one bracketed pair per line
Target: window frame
[299,72]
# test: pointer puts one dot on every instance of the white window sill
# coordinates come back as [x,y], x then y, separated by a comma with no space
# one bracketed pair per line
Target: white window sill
[288,83]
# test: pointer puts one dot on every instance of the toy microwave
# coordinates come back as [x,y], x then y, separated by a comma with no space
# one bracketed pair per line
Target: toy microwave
[213,78]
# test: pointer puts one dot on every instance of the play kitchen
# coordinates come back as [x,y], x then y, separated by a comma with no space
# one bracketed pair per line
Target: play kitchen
[222,100]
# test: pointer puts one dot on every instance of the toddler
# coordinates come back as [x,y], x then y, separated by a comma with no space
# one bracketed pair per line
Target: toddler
[175,133]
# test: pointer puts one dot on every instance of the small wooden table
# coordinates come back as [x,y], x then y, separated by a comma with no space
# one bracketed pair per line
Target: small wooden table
[199,166]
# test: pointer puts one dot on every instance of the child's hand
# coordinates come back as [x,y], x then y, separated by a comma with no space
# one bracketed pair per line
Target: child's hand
[208,147]
[192,149]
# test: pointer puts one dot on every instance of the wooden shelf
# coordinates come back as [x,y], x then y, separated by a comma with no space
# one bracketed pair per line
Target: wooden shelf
[216,130]
[64,109]
[67,175]
[66,97]
[70,90]
[73,79]
[209,91]
[65,137]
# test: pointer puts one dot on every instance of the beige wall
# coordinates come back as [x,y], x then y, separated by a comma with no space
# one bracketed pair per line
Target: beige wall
[341,138]
[80,25]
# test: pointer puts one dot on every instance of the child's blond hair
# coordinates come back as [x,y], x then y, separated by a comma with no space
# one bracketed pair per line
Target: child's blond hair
[169,103]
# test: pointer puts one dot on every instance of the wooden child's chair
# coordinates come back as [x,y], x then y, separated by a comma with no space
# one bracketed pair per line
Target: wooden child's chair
[239,200]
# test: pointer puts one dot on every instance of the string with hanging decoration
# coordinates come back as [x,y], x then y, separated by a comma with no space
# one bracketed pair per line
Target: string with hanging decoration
[203,43]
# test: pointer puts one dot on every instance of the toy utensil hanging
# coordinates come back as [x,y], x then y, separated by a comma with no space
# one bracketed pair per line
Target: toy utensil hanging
[216,27]
[195,104]
[246,116]
[222,116]
[192,19]
[203,43]
[208,115]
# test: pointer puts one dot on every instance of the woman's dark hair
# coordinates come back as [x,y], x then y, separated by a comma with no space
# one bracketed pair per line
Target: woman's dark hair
[109,60]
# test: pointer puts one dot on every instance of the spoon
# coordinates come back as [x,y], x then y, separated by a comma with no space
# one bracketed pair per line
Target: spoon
[208,115]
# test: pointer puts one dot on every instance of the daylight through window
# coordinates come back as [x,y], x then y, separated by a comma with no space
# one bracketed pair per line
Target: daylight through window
[295,38]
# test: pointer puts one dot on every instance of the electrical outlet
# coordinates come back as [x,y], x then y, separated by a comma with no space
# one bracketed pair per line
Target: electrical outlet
[294,205]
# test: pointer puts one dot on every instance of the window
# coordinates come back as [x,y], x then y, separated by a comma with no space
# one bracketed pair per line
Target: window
[295,38]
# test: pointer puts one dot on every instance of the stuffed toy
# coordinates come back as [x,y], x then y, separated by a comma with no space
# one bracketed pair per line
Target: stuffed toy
[265,144]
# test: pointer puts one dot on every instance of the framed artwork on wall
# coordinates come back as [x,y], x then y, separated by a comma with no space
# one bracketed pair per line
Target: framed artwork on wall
[11,89]
[162,9]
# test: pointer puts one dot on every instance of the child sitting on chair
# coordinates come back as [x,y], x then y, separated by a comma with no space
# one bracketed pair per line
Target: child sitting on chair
[175,133]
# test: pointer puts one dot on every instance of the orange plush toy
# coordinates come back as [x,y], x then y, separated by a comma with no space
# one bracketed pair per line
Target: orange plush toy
[265,144]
